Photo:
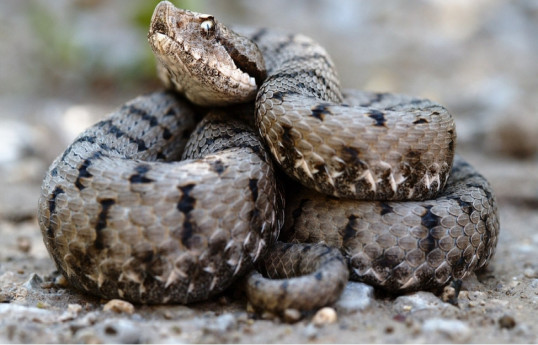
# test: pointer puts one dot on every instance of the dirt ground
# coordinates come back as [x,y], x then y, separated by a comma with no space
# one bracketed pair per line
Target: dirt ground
[479,59]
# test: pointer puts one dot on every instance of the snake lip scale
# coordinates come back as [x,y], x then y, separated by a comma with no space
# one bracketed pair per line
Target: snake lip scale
[154,205]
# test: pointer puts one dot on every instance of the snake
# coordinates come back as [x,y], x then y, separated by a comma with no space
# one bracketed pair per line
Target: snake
[254,165]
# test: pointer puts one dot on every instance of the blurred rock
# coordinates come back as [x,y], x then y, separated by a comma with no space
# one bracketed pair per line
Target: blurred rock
[355,297]
[456,330]
[515,135]
[418,301]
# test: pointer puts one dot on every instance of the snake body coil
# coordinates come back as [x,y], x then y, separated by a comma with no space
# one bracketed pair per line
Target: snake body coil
[122,218]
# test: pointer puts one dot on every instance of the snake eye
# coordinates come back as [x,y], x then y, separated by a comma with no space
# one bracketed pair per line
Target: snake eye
[208,25]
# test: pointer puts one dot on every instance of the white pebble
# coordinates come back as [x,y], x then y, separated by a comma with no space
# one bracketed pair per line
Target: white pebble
[355,297]
[419,301]
[119,306]
[324,316]
[456,330]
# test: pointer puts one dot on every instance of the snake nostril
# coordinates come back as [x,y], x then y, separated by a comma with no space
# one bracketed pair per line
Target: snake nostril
[159,27]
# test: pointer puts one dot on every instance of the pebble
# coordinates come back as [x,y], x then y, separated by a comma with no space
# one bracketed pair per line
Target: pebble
[5,297]
[61,281]
[118,331]
[355,297]
[310,331]
[529,273]
[507,321]
[224,322]
[73,310]
[419,301]
[456,330]
[450,295]
[291,315]
[516,136]
[34,282]
[24,244]
[119,306]
[324,316]
[534,283]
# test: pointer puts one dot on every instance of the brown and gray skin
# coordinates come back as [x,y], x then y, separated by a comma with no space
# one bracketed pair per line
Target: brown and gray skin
[372,146]
[123,218]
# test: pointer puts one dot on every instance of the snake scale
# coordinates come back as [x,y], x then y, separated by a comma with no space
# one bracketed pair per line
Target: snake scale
[156,205]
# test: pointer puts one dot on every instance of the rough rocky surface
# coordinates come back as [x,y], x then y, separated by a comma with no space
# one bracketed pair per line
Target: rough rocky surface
[477,58]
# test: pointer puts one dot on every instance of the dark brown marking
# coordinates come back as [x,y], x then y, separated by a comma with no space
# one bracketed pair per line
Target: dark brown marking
[451,143]
[287,139]
[218,166]
[385,208]
[419,121]
[378,116]
[140,177]
[352,156]
[320,110]
[52,200]
[429,220]
[166,133]
[101,222]
[134,110]
[186,202]
[349,231]
[185,205]
[253,186]
[83,173]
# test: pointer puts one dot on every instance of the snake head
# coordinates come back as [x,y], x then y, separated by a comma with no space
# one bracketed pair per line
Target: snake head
[203,59]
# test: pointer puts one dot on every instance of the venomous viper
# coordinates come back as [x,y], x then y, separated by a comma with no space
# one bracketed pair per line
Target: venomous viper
[149,206]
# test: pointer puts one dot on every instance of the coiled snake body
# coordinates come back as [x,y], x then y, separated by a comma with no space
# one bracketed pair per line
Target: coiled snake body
[123,218]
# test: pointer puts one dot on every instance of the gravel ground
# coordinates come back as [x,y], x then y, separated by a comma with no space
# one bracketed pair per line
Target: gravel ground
[478,58]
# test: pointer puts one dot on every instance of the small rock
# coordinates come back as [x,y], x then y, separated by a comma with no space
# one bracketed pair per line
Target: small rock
[119,306]
[34,282]
[324,316]
[355,297]
[456,330]
[451,292]
[250,308]
[221,324]
[515,136]
[419,301]
[224,322]
[291,315]
[71,313]
[514,283]
[5,297]
[529,273]
[74,308]
[507,321]
[499,302]
[24,244]
[534,283]
[111,331]
[61,281]
[310,332]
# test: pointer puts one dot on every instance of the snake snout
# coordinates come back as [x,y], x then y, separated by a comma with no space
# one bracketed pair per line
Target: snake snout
[159,18]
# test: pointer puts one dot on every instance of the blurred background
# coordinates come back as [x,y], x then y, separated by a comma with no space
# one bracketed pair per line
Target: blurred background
[64,64]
